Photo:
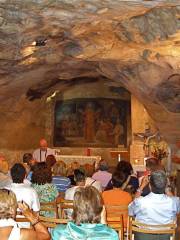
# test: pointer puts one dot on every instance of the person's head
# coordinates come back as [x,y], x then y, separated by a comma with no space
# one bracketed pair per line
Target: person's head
[88,205]
[69,171]
[43,144]
[59,169]
[75,165]
[18,173]
[27,157]
[50,161]
[8,204]
[41,174]
[103,165]
[29,160]
[158,182]
[79,177]
[152,164]
[125,167]
[118,178]
[89,169]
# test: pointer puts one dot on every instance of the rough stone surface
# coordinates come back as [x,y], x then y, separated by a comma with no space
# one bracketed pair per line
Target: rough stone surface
[134,43]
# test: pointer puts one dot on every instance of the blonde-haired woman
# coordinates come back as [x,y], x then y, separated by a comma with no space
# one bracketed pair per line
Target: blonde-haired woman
[88,218]
[59,177]
[9,229]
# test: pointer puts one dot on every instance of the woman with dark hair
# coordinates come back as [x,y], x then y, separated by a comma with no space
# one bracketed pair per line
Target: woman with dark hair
[50,161]
[29,162]
[42,183]
[88,218]
[70,171]
[131,184]
[9,229]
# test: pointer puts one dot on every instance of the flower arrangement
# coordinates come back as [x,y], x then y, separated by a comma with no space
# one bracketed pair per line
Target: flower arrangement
[159,153]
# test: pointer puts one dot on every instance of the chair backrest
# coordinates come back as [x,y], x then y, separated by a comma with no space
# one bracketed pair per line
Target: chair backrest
[116,210]
[117,224]
[115,216]
[52,222]
[49,207]
[135,226]
[21,219]
[64,204]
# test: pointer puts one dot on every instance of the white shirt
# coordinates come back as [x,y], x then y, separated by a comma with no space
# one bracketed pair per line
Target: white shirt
[40,155]
[15,232]
[94,183]
[69,195]
[155,208]
[26,193]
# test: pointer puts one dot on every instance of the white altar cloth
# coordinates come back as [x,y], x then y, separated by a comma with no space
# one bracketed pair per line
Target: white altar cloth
[78,158]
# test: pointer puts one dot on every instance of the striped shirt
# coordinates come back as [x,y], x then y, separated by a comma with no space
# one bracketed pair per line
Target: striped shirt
[62,183]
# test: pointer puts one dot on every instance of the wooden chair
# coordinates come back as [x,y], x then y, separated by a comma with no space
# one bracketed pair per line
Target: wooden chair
[115,216]
[50,207]
[52,222]
[63,205]
[135,226]
[47,221]
[23,222]
[21,219]
[117,224]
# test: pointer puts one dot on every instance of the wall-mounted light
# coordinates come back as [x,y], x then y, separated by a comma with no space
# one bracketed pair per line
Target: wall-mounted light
[40,41]
[49,98]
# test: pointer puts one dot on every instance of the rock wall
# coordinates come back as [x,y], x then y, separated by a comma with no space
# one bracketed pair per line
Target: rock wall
[51,45]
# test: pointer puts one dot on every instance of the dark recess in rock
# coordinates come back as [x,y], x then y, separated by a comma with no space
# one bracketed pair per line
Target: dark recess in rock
[33,94]
[118,90]
[168,93]
[41,89]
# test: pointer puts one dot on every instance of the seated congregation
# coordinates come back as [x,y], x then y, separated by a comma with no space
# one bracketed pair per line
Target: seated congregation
[50,200]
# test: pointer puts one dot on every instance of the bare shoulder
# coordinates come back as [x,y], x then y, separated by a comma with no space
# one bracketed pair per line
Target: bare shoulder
[29,234]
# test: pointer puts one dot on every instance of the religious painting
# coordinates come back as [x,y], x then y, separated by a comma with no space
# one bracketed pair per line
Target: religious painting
[92,122]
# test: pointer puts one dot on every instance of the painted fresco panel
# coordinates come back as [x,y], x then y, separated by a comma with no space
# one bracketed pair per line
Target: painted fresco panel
[96,122]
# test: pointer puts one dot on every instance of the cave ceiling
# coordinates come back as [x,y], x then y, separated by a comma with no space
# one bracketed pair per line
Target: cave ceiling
[50,44]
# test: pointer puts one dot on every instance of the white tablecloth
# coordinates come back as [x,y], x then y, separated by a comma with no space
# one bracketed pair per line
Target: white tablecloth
[77,158]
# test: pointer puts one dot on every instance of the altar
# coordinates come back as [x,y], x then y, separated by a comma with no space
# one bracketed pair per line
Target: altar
[68,159]
[120,155]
